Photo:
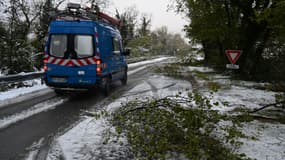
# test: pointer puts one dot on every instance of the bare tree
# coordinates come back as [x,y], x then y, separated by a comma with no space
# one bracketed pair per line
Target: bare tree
[128,23]
[144,28]
[29,10]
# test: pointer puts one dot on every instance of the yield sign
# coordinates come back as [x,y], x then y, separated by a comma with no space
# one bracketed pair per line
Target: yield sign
[233,55]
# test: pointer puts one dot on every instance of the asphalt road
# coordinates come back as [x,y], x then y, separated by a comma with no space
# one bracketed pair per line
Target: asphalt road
[16,139]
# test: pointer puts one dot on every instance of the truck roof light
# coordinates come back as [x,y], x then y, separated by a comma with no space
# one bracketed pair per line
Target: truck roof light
[73,6]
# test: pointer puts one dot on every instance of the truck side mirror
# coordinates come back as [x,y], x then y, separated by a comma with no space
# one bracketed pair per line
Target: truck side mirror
[126,52]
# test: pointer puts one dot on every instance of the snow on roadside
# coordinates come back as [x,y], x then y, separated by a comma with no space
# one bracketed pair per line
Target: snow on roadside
[242,97]
[270,143]
[86,140]
[148,62]
[12,93]
[199,69]
[233,94]
[136,70]
[21,74]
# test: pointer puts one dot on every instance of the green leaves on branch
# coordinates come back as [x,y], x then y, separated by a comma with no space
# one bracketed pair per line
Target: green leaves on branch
[176,126]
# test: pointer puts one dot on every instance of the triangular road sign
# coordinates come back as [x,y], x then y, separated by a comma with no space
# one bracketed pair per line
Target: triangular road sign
[233,55]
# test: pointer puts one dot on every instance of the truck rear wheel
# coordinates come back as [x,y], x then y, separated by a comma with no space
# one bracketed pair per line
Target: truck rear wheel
[106,85]
[124,80]
[59,92]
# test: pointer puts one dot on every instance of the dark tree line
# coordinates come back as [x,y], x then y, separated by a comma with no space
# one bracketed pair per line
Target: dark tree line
[256,27]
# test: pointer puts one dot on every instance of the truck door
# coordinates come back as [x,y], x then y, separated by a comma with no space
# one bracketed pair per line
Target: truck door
[118,59]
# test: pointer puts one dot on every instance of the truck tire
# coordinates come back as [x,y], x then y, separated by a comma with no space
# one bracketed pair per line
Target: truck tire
[124,80]
[106,86]
[59,92]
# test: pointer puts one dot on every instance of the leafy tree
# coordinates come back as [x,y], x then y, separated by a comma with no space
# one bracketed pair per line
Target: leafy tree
[141,46]
[236,24]
[158,42]
[161,40]
[16,50]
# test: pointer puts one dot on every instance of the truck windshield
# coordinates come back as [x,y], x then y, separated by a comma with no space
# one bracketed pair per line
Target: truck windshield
[58,45]
[77,46]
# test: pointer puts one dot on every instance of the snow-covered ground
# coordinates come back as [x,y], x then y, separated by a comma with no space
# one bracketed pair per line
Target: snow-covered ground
[86,140]
[143,63]
[199,69]
[234,94]
[34,85]
[270,143]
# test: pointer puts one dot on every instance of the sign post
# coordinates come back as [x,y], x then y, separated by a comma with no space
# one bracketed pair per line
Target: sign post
[233,56]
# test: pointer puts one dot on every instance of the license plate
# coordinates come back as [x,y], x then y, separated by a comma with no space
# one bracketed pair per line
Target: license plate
[58,80]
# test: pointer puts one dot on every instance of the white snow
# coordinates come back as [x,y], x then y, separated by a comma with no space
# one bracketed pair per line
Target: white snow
[78,142]
[23,90]
[200,69]
[242,97]
[270,143]
[236,94]
[34,149]
[136,70]
[21,74]
[41,107]
[143,63]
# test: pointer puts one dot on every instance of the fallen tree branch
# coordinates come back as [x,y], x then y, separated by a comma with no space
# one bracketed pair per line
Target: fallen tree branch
[267,106]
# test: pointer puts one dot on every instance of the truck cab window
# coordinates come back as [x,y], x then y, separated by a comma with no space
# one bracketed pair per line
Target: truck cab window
[116,46]
[58,45]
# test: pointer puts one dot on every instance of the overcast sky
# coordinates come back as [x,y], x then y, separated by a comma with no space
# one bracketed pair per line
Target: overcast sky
[156,8]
